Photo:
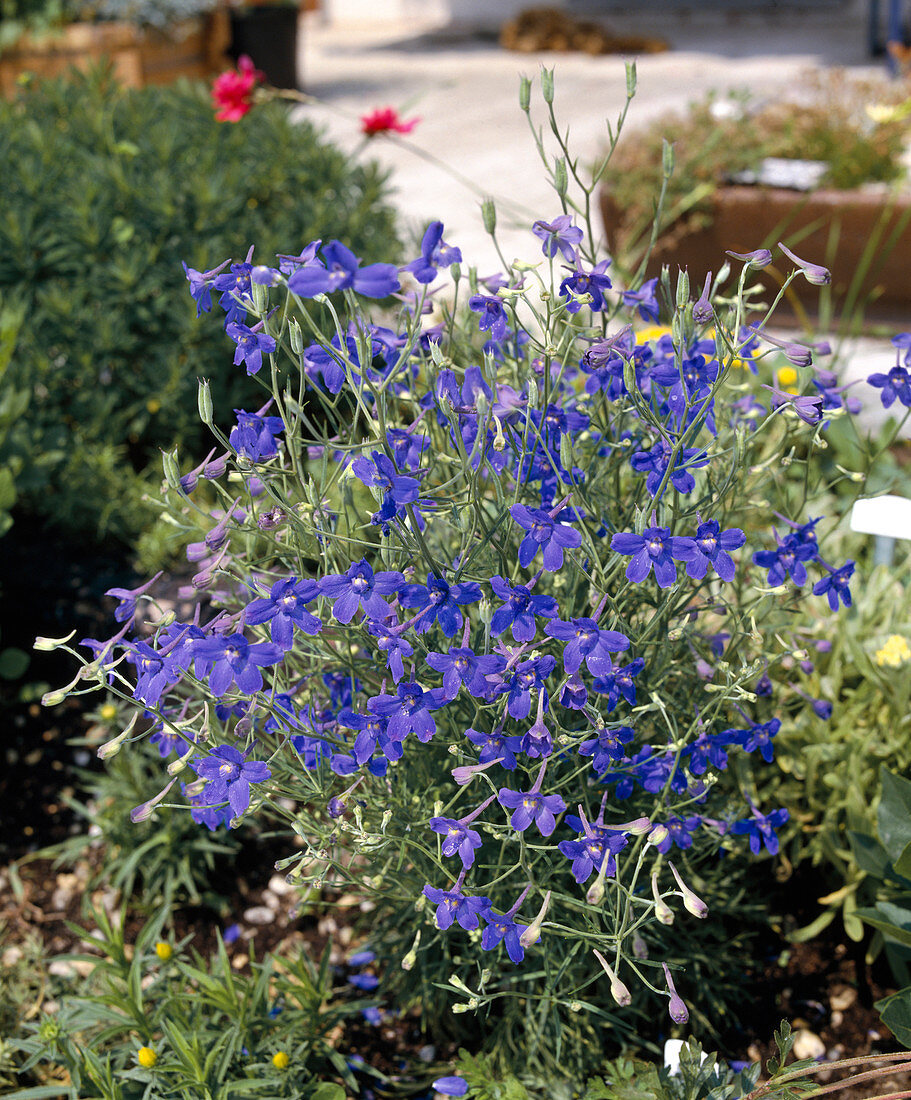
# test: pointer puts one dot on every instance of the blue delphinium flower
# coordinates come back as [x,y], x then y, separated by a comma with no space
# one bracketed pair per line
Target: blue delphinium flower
[392,644]
[496,746]
[439,602]
[656,548]
[493,316]
[835,586]
[712,546]
[520,610]
[546,534]
[201,286]
[234,287]
[342,271]
[593,283]
[560,235]
[519,682]
[379,472]
[532,806]
[285,609]
[760,828]
[620,683]
[461,665]
[408,711]
[452,905]
[458,839]
[586,641]
[360,588]
[645,299]
[787,559]
[126,608]
[501,928]
[588,852]
[655,463]
[679,832]
[229,776]
[250,346]
[234,660]
[253,437]
[759,736]
[606,749]
[435,253]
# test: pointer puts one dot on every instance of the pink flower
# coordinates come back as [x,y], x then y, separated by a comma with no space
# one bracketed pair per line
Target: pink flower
[386,119]
[232,92]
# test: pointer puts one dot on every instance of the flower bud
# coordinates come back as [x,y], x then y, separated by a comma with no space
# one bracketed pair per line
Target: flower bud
[47,645]
[547,85]
[296,336]
[112,747]
[412,957]
[532,933]
[676,1009]
[813,273]
[658,835]
[683,288]
[691,902]
[617,989]
[702,310]
[171,468]
[667,158]
[489,216]
[204,402]
[144,811]
[631,79]
[759,258]
[662,909]
[524,93]
[561,180]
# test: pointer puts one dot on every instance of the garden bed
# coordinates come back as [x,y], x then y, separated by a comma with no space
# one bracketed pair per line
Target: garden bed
[139,56]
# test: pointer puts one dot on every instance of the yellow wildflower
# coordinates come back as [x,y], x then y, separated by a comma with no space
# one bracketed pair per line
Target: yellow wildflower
[280,1060]
[146,1057]
[894,653]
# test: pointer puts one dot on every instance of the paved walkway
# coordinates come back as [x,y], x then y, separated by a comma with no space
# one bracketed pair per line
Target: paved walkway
[465,90]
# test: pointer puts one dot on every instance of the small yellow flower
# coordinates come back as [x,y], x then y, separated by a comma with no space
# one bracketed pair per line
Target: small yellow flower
[787,380]
[108,712]
[153,405]
[280,1060]
[894,653]
[146,1057]
[164,951]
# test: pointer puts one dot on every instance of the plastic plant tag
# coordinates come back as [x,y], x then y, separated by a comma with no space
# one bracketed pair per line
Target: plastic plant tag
[887,516]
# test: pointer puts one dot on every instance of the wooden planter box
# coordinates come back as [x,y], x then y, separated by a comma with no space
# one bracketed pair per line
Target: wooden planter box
[140,56]
[745,218]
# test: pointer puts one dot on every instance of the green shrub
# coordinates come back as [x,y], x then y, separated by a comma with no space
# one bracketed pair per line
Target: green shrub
[110,190]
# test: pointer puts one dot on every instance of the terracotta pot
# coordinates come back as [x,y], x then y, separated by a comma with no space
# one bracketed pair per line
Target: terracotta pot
[139,56]
[835,228]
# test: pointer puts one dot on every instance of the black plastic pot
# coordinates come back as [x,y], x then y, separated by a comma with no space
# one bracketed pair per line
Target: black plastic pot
[267,33]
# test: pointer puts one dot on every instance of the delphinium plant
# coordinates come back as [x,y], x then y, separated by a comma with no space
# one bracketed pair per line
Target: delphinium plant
[485,613]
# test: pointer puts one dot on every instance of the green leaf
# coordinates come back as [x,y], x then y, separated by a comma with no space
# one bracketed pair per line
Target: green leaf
[891,920]
[871,856]
[896,1015]
[328,1091]
[903,863]
[894,813]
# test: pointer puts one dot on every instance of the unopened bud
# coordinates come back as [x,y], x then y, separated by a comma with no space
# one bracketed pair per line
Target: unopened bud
[112,747]
[412,957]
[662,909]
[489,216]
[691,902]
[658,835]
[617,989]
[667,158]
[171,468]
[296,336]
[683,288]
[144,811]
[204,402]
[46,645]
[676,1009]
[532,933]
[547,85]
[631,79]
[561,180]
[524,93]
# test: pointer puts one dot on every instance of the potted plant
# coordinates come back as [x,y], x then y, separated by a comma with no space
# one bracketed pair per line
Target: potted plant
[814,171]
[268,34]
[147,41]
